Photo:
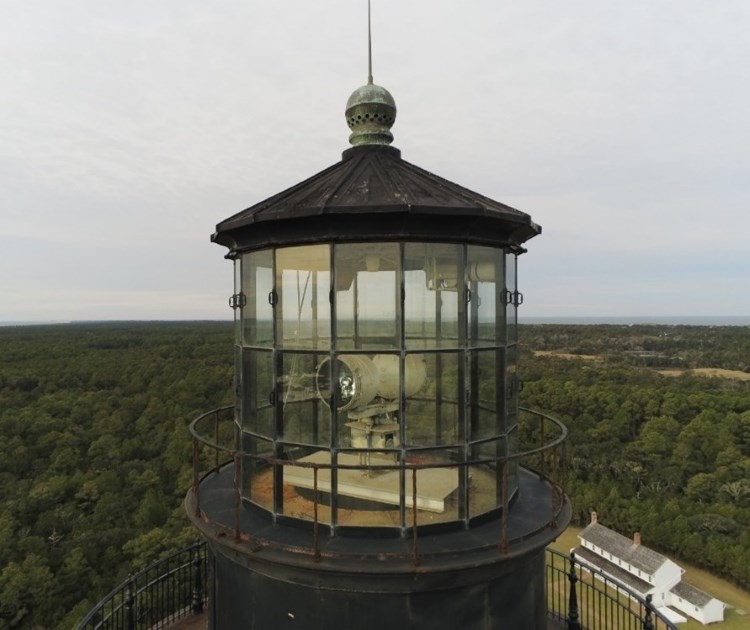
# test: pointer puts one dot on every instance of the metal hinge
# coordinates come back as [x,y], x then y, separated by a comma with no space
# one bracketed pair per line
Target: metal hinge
[238,300]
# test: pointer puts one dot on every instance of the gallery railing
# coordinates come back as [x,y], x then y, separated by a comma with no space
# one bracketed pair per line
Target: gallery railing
[214,448]
[156,597]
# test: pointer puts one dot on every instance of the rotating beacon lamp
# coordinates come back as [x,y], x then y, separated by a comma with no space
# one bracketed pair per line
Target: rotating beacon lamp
[376,482]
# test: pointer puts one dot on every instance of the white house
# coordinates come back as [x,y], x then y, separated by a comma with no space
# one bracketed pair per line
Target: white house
[696,603]
[645,571]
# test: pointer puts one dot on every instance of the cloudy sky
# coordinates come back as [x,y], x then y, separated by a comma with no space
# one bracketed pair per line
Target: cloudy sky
[129,129]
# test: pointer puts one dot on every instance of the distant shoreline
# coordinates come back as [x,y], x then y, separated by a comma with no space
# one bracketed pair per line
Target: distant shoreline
[655,320]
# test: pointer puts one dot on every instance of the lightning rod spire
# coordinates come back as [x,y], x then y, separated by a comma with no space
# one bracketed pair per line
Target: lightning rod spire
[370,110]
[369,45]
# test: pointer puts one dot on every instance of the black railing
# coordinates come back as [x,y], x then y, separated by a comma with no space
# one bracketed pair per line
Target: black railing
[584,598]
[174,587]
[156,597]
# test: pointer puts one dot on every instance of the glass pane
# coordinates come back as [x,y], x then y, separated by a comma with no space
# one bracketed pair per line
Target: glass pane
[303,284]
[306,418]
[431,283]
[484,274]
[512,386]
[432,412]
[486,478]
[257,286]
[304,487]
[437,475]
[367,283]
[257,473]
[257,391]
[365,390]
[513,463]
[368,489]
[485,415]
[238,384]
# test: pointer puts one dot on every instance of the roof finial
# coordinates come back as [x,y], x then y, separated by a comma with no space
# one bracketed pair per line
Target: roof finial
[369,45]
[370,110]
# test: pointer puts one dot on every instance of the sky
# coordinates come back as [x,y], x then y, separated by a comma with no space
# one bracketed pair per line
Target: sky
[128,130]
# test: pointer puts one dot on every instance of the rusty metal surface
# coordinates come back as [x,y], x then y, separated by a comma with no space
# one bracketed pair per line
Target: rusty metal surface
[529,525]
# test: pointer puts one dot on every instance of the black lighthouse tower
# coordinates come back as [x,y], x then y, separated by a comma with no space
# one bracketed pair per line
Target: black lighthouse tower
[373,478]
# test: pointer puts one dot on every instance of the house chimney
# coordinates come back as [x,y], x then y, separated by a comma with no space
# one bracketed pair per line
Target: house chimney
[593,518]
[637,538]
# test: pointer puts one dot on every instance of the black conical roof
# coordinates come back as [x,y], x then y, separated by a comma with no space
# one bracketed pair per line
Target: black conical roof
[372,194]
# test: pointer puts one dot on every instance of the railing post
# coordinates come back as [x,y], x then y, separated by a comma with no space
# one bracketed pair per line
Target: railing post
[237,497]
[316,542]
[648,623]
[542,453]
[196,481]
[216,438]
[554,494]
[504,521]
[129,612]
[573,622]
[197,603]
[415,549]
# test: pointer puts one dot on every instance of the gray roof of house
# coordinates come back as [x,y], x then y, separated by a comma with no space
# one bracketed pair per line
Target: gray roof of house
[628,579]
[691,594]
[622,547]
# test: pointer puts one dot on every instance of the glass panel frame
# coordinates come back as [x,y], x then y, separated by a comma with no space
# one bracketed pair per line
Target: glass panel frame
[433,275]
[297,500]
[484,279]
[258,482]
[258,289]
[305,418]
[486,490]
[371,496]
[365,275]
[486,379]
[258,391]
[433,414]
[302,313]
[435,484]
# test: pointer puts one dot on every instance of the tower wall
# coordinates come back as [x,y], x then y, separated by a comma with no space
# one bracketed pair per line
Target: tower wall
[507,594]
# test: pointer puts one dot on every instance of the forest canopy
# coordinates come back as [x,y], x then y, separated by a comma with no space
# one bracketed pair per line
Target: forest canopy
[96,458]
